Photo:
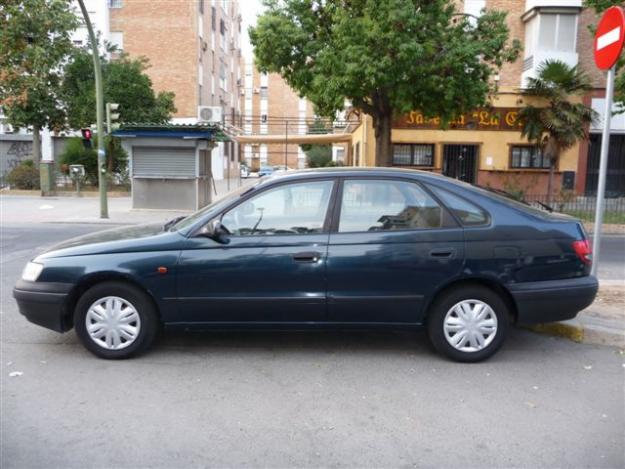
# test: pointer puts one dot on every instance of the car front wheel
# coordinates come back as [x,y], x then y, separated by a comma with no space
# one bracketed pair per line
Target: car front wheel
[468,324]
[115,320]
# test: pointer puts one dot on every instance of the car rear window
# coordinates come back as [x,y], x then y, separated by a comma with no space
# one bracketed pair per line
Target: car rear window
[468,213]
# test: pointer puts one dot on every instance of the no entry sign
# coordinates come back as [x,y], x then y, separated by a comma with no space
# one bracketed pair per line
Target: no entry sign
[609,37]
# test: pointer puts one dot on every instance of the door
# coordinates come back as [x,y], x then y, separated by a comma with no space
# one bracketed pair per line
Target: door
[392,246]
[460,162]
[273,265]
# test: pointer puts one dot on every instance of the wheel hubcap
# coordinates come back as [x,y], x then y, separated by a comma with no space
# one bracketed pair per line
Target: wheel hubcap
[113,323]
[470,325]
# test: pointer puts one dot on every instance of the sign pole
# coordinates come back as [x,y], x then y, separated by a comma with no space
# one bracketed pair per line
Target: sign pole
[603,169]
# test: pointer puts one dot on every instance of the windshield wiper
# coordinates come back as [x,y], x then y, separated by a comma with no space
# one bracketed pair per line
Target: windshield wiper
[172,222]
[545,206]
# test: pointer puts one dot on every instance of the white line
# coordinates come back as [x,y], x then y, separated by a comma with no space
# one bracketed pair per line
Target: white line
[608,38]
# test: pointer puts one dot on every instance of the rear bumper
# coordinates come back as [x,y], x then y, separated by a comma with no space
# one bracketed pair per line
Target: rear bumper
[43,303]
[553,300]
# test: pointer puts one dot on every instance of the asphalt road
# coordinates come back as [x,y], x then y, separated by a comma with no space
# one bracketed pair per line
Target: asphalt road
[299,399]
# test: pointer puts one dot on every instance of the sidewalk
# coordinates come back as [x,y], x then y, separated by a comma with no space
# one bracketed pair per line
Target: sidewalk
[601,323]
[25,209]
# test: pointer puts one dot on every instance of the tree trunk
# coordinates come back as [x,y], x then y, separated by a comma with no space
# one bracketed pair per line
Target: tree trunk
[36,145]
[383,148]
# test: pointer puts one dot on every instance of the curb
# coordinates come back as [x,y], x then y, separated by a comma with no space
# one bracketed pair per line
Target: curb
[581,333]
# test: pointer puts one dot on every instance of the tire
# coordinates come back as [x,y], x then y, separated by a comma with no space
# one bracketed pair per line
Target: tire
[114,310]
[459,310]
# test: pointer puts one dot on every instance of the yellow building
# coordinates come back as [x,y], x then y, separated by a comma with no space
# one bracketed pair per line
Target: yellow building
[483,147]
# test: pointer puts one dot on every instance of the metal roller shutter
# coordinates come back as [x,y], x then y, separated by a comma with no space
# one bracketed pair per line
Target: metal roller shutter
[152,162]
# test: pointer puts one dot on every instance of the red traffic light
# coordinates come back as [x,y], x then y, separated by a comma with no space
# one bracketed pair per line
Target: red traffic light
[86,134]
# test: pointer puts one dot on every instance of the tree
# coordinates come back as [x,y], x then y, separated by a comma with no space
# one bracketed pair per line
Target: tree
[76,153]
[35,41]
[619,84]
[561,123]
[125,82]
[387,57]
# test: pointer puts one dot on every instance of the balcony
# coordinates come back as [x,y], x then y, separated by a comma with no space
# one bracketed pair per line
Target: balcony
[531,63]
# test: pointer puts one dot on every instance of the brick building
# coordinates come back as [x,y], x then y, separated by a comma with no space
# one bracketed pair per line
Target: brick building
[194,50]
[485,147]
[273,108]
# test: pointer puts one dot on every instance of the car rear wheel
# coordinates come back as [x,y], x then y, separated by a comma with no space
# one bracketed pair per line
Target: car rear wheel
[115,320]
[468,323]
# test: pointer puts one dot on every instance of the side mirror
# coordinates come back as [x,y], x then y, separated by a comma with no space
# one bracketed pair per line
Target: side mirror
[216,231]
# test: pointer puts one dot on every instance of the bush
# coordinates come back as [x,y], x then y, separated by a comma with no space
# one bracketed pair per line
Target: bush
[76,153]
[319,156]
[24,176]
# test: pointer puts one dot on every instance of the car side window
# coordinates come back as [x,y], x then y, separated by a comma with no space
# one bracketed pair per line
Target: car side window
[298,208]
[468,213]
[385,205]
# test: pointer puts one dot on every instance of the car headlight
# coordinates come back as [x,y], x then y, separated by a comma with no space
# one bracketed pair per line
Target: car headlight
[31,271]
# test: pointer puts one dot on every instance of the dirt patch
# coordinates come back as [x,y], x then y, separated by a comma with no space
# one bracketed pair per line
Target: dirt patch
[611,296]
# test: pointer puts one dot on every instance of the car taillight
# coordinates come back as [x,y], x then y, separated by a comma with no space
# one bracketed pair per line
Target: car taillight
[583,250]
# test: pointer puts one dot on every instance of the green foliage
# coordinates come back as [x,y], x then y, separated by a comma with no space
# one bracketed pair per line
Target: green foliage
[561,123]
[387,57]
[125,82]
[24,176]
[34,43]
[76,153]
[619,85]
[319,156]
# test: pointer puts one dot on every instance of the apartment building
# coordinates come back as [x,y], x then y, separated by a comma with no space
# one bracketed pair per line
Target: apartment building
[485,146]
[194,50]
[272,107]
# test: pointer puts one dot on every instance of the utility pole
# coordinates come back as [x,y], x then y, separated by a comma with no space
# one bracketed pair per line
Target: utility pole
[99,93]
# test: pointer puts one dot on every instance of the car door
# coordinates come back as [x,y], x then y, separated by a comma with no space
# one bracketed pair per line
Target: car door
[271,265]
[391,246]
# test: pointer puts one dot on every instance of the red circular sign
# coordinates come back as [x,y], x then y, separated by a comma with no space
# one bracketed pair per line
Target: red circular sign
[609,37]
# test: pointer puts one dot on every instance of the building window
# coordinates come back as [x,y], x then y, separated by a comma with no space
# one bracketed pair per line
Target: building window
[527,156]
[264,91]
[554,32]
[213,18]
[115,3]
[201,5]
[413,154]
[117,40]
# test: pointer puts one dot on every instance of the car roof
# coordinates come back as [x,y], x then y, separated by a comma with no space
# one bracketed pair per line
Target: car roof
[350,171]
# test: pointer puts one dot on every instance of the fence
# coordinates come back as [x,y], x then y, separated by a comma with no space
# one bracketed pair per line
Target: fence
[582,207]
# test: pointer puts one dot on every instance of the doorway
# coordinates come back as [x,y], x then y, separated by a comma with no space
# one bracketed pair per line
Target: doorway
[460,162]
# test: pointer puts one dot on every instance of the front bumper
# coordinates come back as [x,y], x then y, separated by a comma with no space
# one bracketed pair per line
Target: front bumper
[553,300]
[43,303]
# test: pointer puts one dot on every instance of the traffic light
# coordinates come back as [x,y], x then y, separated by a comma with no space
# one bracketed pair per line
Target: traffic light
[111,116]
[86,138]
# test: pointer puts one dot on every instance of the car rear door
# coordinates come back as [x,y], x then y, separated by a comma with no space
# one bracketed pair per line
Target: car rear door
[392,245]
[272,268]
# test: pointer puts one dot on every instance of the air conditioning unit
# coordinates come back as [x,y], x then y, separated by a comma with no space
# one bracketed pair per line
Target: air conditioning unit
[211,114]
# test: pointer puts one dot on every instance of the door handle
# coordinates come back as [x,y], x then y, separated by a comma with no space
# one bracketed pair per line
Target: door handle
[443,253]
[308,256]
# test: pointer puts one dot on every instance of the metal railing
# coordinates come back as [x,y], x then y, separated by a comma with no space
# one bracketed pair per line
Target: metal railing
[582,207]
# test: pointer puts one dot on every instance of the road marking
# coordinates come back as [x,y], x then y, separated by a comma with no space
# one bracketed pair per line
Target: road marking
[46,207]
[608,38]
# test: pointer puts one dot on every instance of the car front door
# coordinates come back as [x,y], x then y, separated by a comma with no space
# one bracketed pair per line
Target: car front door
[391,246]
[271,265]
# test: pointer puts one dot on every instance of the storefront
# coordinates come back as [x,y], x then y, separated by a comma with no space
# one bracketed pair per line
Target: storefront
[483,147]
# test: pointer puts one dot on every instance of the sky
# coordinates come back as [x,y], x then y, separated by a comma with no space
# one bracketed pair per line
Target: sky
[249,9]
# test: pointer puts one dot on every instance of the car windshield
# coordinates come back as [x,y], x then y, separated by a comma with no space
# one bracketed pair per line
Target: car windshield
[222,202]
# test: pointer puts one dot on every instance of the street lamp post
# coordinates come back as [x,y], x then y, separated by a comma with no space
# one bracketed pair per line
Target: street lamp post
[99,112]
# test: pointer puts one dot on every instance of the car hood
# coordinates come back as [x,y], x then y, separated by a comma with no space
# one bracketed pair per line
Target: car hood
[125,239]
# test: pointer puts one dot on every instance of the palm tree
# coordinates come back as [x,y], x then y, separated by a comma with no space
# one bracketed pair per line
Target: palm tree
[561,123]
